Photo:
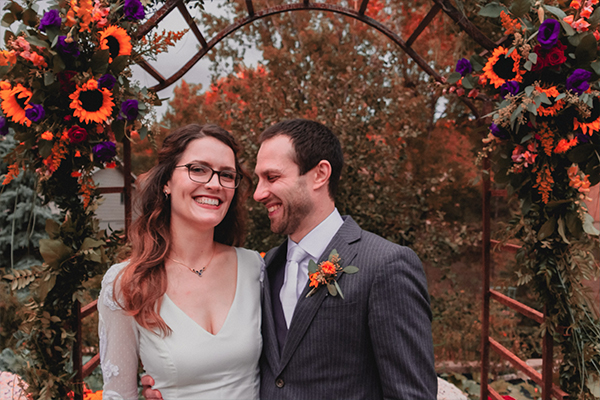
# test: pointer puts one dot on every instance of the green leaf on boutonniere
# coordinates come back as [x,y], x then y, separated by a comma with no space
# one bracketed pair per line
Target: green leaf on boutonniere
[547,229]
[492,10]
[520,7]
[453,78]
[312,266]
[337,287]
[332,290]
[350,269]
[557,12]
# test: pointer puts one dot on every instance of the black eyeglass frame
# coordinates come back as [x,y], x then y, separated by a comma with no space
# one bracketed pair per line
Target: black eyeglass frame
[237,181]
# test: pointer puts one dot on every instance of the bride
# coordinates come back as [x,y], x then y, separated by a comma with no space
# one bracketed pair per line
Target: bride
[186,303]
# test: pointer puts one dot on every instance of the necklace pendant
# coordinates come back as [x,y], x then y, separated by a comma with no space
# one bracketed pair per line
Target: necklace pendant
[198,272]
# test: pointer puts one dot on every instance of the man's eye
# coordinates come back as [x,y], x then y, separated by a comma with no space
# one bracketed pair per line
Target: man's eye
[272,178]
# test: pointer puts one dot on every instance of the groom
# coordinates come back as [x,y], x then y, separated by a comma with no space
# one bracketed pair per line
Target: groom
[375,343]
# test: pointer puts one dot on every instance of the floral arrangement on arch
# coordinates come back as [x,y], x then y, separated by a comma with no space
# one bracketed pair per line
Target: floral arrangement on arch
[66,89]
[67,95]
[544,143]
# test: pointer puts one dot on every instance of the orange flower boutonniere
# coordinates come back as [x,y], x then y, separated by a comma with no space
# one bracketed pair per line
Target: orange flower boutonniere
[326,272]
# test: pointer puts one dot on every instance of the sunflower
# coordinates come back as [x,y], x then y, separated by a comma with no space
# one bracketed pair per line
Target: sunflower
[501,68]
[116,41]
[15,101]
[91,103]
[590,124]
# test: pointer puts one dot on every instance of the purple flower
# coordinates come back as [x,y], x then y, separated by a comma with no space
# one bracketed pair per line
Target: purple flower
[582,137]
[548,33]
[67,48]
[129,110]
[498,132]
[3,126]
[463,67]
[578,81]
[134,10]
[106,81]
[104,151]
[51,18]
[511,87]
[35,113]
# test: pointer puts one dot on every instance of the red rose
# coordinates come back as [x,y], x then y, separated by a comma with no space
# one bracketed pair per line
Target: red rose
[77,134]
[556,56]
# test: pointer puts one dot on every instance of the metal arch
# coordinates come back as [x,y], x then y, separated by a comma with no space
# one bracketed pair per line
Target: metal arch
[359,14]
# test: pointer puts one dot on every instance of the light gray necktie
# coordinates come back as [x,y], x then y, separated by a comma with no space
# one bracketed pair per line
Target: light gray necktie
[289,290]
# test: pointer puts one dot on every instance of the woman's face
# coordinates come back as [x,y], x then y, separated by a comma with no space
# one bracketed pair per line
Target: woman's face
[201,205]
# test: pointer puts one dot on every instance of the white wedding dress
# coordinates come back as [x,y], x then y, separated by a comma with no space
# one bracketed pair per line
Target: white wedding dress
[190,363]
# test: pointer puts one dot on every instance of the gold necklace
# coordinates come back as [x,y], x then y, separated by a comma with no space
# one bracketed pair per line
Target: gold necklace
[198,272]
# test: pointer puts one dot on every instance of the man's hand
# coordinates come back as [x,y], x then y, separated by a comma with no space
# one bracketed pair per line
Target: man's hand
[147,391]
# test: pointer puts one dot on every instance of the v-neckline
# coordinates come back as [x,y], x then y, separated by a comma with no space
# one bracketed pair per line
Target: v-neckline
[235,296]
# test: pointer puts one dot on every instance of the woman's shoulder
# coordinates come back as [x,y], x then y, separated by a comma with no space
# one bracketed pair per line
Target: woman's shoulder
[251,258]
[107,292]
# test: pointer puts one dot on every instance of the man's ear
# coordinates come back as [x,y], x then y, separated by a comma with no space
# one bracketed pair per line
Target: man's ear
[321,174]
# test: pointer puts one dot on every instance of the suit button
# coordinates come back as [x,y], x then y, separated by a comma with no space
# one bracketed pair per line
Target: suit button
[279,383]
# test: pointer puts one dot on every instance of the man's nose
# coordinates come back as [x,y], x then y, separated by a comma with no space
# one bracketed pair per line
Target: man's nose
[259,192]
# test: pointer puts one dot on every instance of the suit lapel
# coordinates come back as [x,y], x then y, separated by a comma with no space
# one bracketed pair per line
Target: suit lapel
[276,261]
[344,242]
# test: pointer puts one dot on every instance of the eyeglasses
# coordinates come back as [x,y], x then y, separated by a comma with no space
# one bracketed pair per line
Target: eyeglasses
[203,174]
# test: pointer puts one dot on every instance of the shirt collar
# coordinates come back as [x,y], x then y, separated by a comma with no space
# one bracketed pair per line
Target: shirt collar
[316,241]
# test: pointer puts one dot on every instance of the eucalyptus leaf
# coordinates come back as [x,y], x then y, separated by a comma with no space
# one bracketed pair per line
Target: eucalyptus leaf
[143,131]
[49,79]
[467,84]
[312,265]
[532,57]
[555,11]
[520,7]
[528,65]
[350,269]
[560,96]
[547,229]
[516,114]
[337,287]
[453,78]
[526,204]
[331,289]
[532,108]
[58,65]
[477,62]
[119,64]
[529,90]
[492,10]
[568,29]
[333,253]
[35,41]
[118,127]
[52,32]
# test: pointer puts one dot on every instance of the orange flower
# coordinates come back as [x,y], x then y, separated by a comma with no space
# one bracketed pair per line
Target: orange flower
[501,68]
[15,101]
[8,58]
[116,40]
[576,4]
[81,10]
[75,174]
[91,103]
[47,135]
[582,185]
[551,92]
[547,138]
[564,145]
[544,182]
[510,25]
[328,268]
[13,172]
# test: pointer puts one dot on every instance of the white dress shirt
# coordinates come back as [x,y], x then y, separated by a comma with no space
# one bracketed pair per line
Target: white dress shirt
[315,243]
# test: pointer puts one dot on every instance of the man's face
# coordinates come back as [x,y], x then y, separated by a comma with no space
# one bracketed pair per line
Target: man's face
[280,187]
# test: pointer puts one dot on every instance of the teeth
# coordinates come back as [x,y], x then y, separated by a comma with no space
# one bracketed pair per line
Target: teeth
[273,208]
[206,200]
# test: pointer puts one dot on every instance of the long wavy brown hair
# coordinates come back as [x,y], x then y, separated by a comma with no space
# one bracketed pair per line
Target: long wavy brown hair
[143,282]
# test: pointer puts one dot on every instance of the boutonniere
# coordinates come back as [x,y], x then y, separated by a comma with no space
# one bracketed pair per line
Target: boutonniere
[326,272]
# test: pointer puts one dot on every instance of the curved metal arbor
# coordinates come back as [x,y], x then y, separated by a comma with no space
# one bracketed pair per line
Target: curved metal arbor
[358,13]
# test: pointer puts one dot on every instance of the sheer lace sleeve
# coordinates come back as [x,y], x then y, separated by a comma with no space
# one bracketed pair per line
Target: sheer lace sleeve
[118,343]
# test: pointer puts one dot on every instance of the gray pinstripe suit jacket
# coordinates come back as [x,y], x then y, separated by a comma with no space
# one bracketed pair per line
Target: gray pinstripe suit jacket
[374,344]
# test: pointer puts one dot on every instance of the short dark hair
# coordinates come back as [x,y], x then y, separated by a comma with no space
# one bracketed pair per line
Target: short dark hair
[312,143]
